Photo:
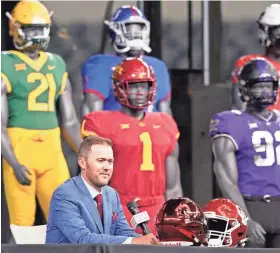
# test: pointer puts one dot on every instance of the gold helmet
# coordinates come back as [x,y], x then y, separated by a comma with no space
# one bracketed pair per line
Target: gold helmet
[29,25]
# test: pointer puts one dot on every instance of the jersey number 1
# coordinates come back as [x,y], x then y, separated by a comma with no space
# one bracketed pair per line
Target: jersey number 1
[266,147]
[147,161]
[46,82]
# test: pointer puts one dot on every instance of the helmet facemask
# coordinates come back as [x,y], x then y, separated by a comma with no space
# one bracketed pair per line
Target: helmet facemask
[274,36]
[269,36]
[226,223]
[134,97]
[132,35]
[33,37]
[258,97]
[220,229]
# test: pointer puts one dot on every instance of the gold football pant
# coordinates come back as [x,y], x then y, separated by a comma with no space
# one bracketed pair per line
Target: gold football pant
[41,153]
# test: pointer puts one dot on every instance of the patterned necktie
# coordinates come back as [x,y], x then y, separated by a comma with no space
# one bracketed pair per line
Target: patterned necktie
[98,200]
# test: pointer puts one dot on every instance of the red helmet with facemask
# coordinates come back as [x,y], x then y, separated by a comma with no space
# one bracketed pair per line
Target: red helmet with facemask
[129,72]
[226,223]
[180,222]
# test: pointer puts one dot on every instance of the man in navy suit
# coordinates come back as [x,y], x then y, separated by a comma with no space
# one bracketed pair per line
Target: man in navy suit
[84,209]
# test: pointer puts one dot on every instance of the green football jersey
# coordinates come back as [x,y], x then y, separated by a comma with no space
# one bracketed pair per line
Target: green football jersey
[33,88]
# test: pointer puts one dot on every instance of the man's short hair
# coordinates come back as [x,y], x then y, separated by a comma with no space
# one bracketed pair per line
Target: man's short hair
[88,142]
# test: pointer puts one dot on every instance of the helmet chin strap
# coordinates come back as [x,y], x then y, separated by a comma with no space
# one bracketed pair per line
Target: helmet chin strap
[25,46]
[120,51]
[28,44]
[147,49]
[258,104]
[138,44]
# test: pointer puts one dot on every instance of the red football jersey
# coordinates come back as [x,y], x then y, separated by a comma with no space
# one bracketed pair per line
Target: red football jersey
[140,149]
[243,60]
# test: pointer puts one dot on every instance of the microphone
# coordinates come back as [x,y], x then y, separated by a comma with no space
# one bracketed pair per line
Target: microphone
[138,219]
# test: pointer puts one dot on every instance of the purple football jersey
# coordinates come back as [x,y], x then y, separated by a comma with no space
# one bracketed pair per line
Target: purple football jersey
[257,145]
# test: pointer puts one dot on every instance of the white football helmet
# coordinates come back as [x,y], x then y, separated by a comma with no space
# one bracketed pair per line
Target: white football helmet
[129,30]
[269,25]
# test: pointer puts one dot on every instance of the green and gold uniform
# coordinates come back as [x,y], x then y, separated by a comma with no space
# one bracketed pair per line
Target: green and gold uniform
[33,89]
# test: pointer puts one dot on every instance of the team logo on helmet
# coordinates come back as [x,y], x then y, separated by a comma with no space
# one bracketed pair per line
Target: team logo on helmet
[226,211]
[118,71]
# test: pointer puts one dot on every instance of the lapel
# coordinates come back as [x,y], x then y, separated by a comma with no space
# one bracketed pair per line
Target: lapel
[89,202]
[107,211]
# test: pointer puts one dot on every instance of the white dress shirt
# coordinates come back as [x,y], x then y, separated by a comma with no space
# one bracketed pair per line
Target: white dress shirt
[93,192]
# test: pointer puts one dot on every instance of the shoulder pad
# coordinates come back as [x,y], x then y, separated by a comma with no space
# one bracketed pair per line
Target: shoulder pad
[8,58]
[228,124]
[102,114]
[96,113]
[169,122]
[237,112]
[5,52]
[55,57]
[277,112]
[227,116]
[100,58]
[50,55]
[231,113]
[164,115]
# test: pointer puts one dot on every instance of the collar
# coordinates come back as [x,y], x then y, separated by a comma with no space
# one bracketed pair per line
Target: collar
[93,192]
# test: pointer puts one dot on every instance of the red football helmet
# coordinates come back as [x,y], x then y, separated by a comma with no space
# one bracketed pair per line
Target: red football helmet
[131,71]
[181,222]
[226,223]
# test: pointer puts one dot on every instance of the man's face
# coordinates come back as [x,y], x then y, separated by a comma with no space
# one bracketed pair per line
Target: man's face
[262,89]
[134,31]
[138,93]
[33,31]
[262,93]
[36,35]
[98,167]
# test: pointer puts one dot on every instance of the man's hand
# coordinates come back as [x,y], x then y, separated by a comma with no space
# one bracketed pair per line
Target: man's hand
[21,174]
[256,232]
[146,239]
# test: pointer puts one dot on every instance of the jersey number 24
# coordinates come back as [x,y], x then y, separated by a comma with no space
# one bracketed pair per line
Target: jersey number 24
[272,154]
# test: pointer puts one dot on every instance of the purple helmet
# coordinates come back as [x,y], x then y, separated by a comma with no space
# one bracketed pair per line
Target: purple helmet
[258,70]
